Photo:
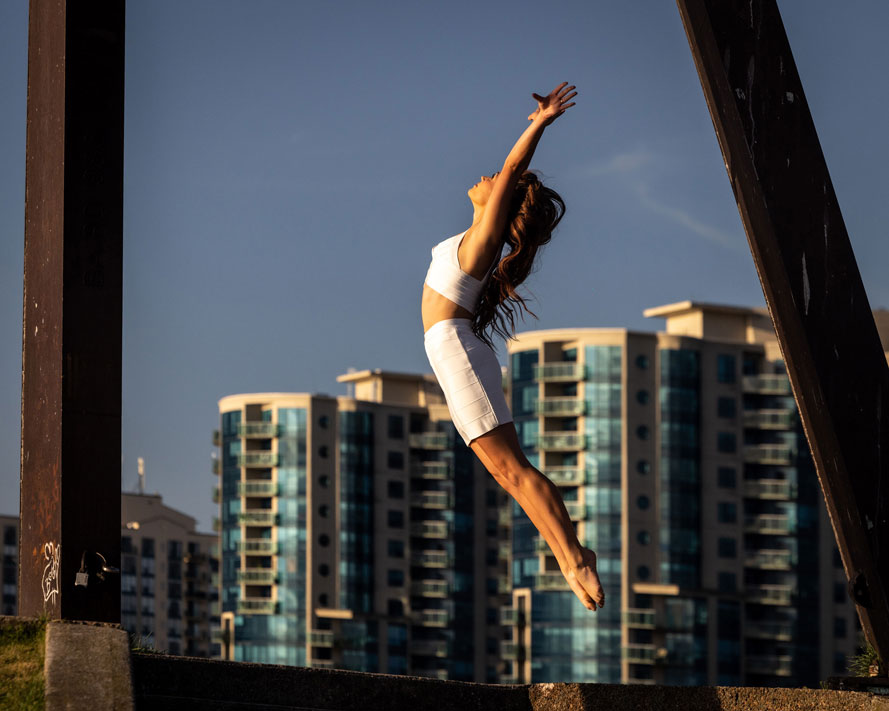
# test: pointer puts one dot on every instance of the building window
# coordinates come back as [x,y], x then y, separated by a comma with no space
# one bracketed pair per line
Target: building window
[395,460]
[837,559]
[643,573]
[642,502]
[642,397]
[726,407]
[396,608]
[643,467]
[148,548]
[396,549]
[323,451]
[644,538]
[324,570]
[324,540]
[839,627]
[323,510]
[323,599]
[642,432]
[727,582]
[725,368]
[726,442]
[395,426]
[727,548]
[395,489]
[839,593]
[324,422]
[395,578]
[324,481]
[839,663]
[642,362]
[726,477]
[727,512]
[395,519]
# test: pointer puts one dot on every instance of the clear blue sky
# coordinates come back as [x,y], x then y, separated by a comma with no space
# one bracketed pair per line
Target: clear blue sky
[290,164]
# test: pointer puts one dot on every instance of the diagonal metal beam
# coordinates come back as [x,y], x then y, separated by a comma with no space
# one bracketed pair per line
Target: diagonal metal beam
[809,276]
[71,349]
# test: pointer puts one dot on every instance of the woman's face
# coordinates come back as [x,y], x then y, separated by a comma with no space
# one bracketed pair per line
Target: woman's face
[481,191]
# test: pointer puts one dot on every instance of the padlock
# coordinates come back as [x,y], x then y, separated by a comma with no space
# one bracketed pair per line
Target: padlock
[81,578]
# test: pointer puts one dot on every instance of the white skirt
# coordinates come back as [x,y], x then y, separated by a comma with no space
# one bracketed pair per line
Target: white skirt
[469,374]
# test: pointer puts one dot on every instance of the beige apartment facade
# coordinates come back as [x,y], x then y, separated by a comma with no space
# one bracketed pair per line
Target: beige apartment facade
[683,463]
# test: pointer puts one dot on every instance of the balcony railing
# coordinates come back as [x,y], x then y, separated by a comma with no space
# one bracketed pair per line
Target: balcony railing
[550,580]
[258,517]
[576,511]
[560,407]
[510,650]
[504,550]
[258,576]
[430,588]
[431,559]
[258,430]
[774,524]
[321,638]
[565,476]
[257,488]
[256,606]
[432,499]
[771,560]
[510,616]
[770,665]
[770,419]
[766,384]
[779,631]
[321,663]
[770,489]
[433,618]
[262,459]
[639,619]
[562,441]
[559,372]
[639,653]
[429,647]
[430,529]
[432,470]
[429,440]
[779,454]
[770,594]
[258,546]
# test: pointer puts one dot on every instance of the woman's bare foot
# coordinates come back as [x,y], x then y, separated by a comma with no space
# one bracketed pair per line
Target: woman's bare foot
[584,581]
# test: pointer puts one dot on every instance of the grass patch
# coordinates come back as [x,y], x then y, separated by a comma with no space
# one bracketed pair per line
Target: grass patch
[866,663]
[21,664]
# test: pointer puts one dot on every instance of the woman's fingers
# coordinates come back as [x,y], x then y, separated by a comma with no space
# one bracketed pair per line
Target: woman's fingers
[568,97]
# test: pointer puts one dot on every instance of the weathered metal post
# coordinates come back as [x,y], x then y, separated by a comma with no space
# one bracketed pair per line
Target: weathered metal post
[809,276]
[71,350]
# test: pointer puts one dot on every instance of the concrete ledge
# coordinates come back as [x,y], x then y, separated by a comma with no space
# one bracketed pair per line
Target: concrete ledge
[87,667]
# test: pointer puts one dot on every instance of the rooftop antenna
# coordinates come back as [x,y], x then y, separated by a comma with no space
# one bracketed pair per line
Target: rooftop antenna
[140,463]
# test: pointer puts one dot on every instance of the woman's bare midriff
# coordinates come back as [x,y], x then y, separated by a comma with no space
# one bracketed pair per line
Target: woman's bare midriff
[436,307]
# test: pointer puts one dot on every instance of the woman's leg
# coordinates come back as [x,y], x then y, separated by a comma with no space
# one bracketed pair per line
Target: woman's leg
[540,499]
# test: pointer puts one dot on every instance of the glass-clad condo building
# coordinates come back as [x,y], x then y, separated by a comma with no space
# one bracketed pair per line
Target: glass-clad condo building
[359,533]
[683,465]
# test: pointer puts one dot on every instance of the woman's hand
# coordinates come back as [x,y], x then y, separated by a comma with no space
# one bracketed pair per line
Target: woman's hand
[550,107]
[583,580]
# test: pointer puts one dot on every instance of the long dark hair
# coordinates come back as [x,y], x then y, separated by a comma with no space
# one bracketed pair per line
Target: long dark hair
[534,212]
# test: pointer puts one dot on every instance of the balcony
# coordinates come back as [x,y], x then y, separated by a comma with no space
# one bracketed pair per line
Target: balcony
[257,488]
[770,594]
[504,550]
[510,616]
[511,651]
[771,560]
[430,529]
[777,454]
[257,430]
[565,476]
[783,419]
[639,653]
[766,384]
[257,606]
[778,489]
[321,663]
[216,466]
[258,517]
[432,499]
[641,619]
[262,459]
[432,470]
[562,441]
[429,647]
[576,511]
[258,546]
[258,576]
[779,631]
[559,372]
[550,580]
[431,559]
[504,516]
[429,440]
[560,407]
[430,588]
[321,638]
[216,494]
[770,524]
[770,665]
[504,585]
[217,438]
[432,618]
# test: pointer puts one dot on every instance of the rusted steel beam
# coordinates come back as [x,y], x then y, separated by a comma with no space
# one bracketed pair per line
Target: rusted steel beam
[71,350]
[809,276]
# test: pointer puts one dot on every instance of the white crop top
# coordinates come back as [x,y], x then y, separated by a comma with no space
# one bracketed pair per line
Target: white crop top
[446,277]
